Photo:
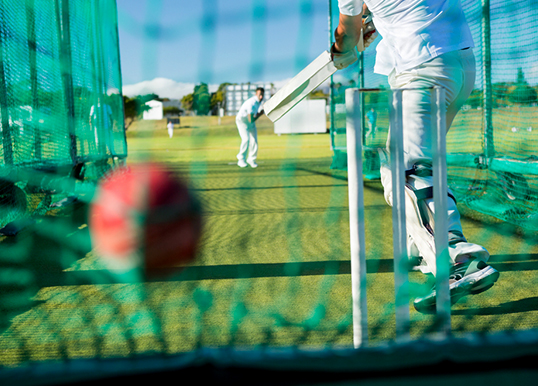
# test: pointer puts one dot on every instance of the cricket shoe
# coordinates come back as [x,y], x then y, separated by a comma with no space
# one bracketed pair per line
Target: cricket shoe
[241,163]
[253,164]
[469,278]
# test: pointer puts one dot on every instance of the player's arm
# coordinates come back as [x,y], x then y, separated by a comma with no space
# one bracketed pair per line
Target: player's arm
[352,31]
[258,114]
[347,33]
[254,116]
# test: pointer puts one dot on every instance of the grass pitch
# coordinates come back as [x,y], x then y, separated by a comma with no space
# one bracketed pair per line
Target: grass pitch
[273,267]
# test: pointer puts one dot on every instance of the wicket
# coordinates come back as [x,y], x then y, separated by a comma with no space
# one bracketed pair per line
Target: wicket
[356,212]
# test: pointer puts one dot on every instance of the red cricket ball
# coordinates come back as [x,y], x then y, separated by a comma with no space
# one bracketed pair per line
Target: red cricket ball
[144,216]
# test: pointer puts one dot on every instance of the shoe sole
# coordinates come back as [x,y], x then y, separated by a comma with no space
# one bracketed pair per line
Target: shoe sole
[472,284]
[484,281]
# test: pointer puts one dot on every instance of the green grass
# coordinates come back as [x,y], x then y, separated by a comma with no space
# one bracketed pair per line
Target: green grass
[273,266]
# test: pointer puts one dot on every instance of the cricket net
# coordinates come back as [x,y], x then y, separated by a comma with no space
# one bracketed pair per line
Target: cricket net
[492,165]
[60,103]
[267,299]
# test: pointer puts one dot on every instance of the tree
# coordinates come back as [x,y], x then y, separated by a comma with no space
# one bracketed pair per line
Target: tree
[135,107]
[476,98]
[521,92]
[318,94]
[201,99]
[218,98]
[187,102]
[171,110]
[520,79]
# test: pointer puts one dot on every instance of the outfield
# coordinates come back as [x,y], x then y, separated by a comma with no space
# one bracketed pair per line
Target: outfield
[273,268]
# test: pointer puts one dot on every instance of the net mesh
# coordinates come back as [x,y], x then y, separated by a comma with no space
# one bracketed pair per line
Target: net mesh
[270,287]
[61,107]
[492,166]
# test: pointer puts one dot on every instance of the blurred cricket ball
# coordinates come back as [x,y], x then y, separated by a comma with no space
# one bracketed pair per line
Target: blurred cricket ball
[144,216]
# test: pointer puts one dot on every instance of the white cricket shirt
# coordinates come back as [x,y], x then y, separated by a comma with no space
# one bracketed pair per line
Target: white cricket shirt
[250,106]
[413,31]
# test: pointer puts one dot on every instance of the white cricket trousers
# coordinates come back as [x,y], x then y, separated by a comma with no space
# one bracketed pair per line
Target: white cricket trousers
[248,151]
[455,71]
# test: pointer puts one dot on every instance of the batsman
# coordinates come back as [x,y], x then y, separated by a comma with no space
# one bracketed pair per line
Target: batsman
[424,44]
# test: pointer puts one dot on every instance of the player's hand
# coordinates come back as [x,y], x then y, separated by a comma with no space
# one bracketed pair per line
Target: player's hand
[342,60]
[369,31]
[369,38]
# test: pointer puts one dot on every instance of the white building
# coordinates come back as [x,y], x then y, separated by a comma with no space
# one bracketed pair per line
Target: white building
[238,93]
[155,111]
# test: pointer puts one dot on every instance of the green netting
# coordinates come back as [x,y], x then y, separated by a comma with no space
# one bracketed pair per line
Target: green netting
[491,145]
[61,107]
[267,298]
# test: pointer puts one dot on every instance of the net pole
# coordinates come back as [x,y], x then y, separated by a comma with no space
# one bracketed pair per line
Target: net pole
[7,142]
[489,148]
[440,197]
[356,216]
[66,64]
[117,68]
[331,83]
[399,234]
[100,84]
[360,64]
[34,85]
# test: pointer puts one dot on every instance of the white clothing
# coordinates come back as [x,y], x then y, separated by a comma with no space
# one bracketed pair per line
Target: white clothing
[170,127]
[247,130]
[455,72]
[102,123]
[423,45]
[250,106]
[248,151]
[413,31]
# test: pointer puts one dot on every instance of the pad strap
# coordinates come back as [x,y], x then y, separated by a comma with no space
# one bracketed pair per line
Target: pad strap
[425,193]
[420,169]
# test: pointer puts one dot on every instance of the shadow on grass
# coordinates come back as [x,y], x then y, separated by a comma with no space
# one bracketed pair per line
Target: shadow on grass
[513,307]
[307,268]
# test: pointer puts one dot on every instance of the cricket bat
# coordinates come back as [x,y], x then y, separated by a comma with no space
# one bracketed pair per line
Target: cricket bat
[306,81]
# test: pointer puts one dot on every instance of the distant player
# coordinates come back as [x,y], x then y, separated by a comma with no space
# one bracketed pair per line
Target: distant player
[170,127]
[425,43]
[246,125]
[102,124]
[372,123]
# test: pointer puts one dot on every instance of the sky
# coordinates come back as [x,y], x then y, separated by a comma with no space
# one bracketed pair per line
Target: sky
[168,46]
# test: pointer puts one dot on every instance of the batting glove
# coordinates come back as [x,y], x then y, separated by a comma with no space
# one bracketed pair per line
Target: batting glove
[343,59]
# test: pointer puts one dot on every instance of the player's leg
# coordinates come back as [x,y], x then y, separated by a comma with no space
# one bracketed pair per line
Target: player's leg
[455,72]
[110,138]
[420,212]
[253,146]
[242,128]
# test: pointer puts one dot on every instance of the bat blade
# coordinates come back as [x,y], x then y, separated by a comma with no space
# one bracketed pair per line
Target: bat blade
[306,81]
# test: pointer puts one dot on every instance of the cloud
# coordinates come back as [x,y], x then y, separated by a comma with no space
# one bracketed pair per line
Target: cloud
[168,88]
[164,88]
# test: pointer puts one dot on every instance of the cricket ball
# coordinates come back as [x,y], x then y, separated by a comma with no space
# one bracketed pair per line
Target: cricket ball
[145,217]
